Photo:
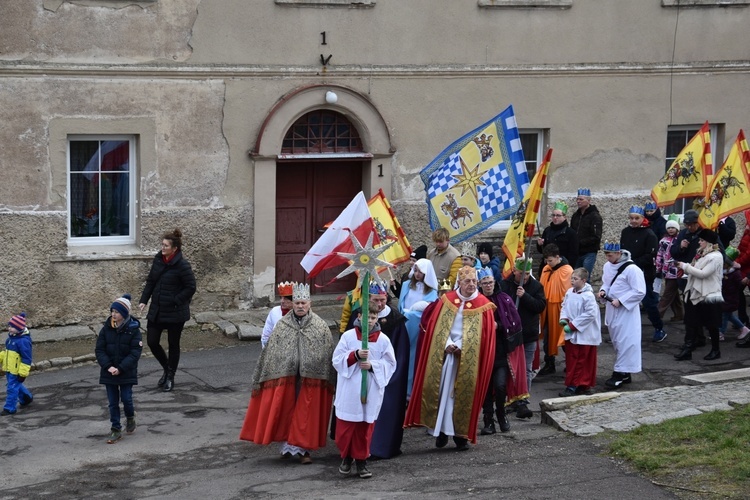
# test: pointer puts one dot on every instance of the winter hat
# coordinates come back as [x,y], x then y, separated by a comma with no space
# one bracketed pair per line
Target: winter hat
[485,248]
[673,224]
[420,252]
[709,236]
[690,217]
[122,305]
[18,322]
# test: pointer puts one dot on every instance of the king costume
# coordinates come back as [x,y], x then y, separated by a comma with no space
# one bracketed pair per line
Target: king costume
[292,385]
[449,389]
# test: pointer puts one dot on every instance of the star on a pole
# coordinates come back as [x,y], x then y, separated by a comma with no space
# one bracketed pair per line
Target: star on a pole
[365,258]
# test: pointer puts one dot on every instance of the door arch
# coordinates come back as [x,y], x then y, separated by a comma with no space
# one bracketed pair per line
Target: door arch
[376,151]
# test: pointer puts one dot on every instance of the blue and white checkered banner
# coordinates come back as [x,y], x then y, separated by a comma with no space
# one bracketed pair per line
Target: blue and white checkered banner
[478,180]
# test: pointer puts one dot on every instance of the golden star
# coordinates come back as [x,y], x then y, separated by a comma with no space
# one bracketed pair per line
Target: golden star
[469,180]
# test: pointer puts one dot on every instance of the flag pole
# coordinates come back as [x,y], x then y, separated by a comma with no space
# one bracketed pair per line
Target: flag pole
[523,273]
[365,324]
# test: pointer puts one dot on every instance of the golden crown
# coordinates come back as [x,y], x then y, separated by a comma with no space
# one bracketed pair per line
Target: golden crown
[444,285]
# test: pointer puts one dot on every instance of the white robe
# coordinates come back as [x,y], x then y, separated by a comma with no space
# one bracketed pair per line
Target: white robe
[581,310]
[447,398]
[624,322]
[348,405]
[273,317]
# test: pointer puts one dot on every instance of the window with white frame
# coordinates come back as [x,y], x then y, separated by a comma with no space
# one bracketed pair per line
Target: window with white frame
[532,141]
[101,190]
[677,138]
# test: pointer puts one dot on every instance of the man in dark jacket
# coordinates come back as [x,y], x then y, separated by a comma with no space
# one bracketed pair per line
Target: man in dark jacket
[642,244]
[587,223]
[531,302]
[656,222]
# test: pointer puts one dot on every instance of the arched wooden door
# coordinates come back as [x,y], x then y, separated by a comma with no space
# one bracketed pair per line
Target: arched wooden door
[308,196]
[312,193]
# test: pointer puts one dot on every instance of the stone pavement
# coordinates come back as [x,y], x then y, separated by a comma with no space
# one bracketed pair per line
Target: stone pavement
[666,388]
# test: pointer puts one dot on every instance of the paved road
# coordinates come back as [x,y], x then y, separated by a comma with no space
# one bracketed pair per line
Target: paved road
[186,443]
[186,446]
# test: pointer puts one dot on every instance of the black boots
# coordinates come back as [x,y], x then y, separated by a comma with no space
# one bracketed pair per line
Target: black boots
[686,353]
[163,378]
[169,382]
[489,426]
[502,420]
[714,354]
[549,366]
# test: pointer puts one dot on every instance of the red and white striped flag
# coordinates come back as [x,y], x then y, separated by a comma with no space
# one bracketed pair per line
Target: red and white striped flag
[354,219]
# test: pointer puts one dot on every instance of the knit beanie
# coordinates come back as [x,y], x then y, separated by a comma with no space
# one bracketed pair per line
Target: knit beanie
[18,322]
[122,305]
[420,252]
[485,247]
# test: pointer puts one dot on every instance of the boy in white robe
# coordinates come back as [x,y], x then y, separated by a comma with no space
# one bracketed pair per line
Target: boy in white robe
[623,293]
[582,323]
[355,420]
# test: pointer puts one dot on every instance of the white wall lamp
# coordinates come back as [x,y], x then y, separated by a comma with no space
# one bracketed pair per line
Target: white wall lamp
[331,97]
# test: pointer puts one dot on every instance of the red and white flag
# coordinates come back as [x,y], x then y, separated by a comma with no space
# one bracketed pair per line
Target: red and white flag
[354,219]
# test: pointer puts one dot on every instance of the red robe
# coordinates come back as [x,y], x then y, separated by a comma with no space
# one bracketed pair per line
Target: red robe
[294,404]
[477,356]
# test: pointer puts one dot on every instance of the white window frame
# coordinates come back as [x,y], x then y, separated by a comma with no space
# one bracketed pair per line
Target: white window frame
[133,177]
[504,225]
[683,204]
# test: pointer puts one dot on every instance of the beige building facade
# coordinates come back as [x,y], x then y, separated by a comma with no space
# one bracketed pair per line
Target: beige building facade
[125,119]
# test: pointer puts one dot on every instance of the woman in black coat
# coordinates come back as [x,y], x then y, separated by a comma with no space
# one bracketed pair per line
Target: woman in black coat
[170,286]
[559,233]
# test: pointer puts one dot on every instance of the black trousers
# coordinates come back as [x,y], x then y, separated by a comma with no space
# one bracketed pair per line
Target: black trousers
[153,338]
[698,316]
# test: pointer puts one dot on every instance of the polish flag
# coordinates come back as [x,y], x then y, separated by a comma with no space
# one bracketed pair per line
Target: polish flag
[354,219]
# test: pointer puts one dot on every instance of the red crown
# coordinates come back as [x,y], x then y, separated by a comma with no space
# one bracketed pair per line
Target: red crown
[285,288]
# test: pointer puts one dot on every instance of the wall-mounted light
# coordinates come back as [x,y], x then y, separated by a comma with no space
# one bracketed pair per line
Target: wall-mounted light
[331,97]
